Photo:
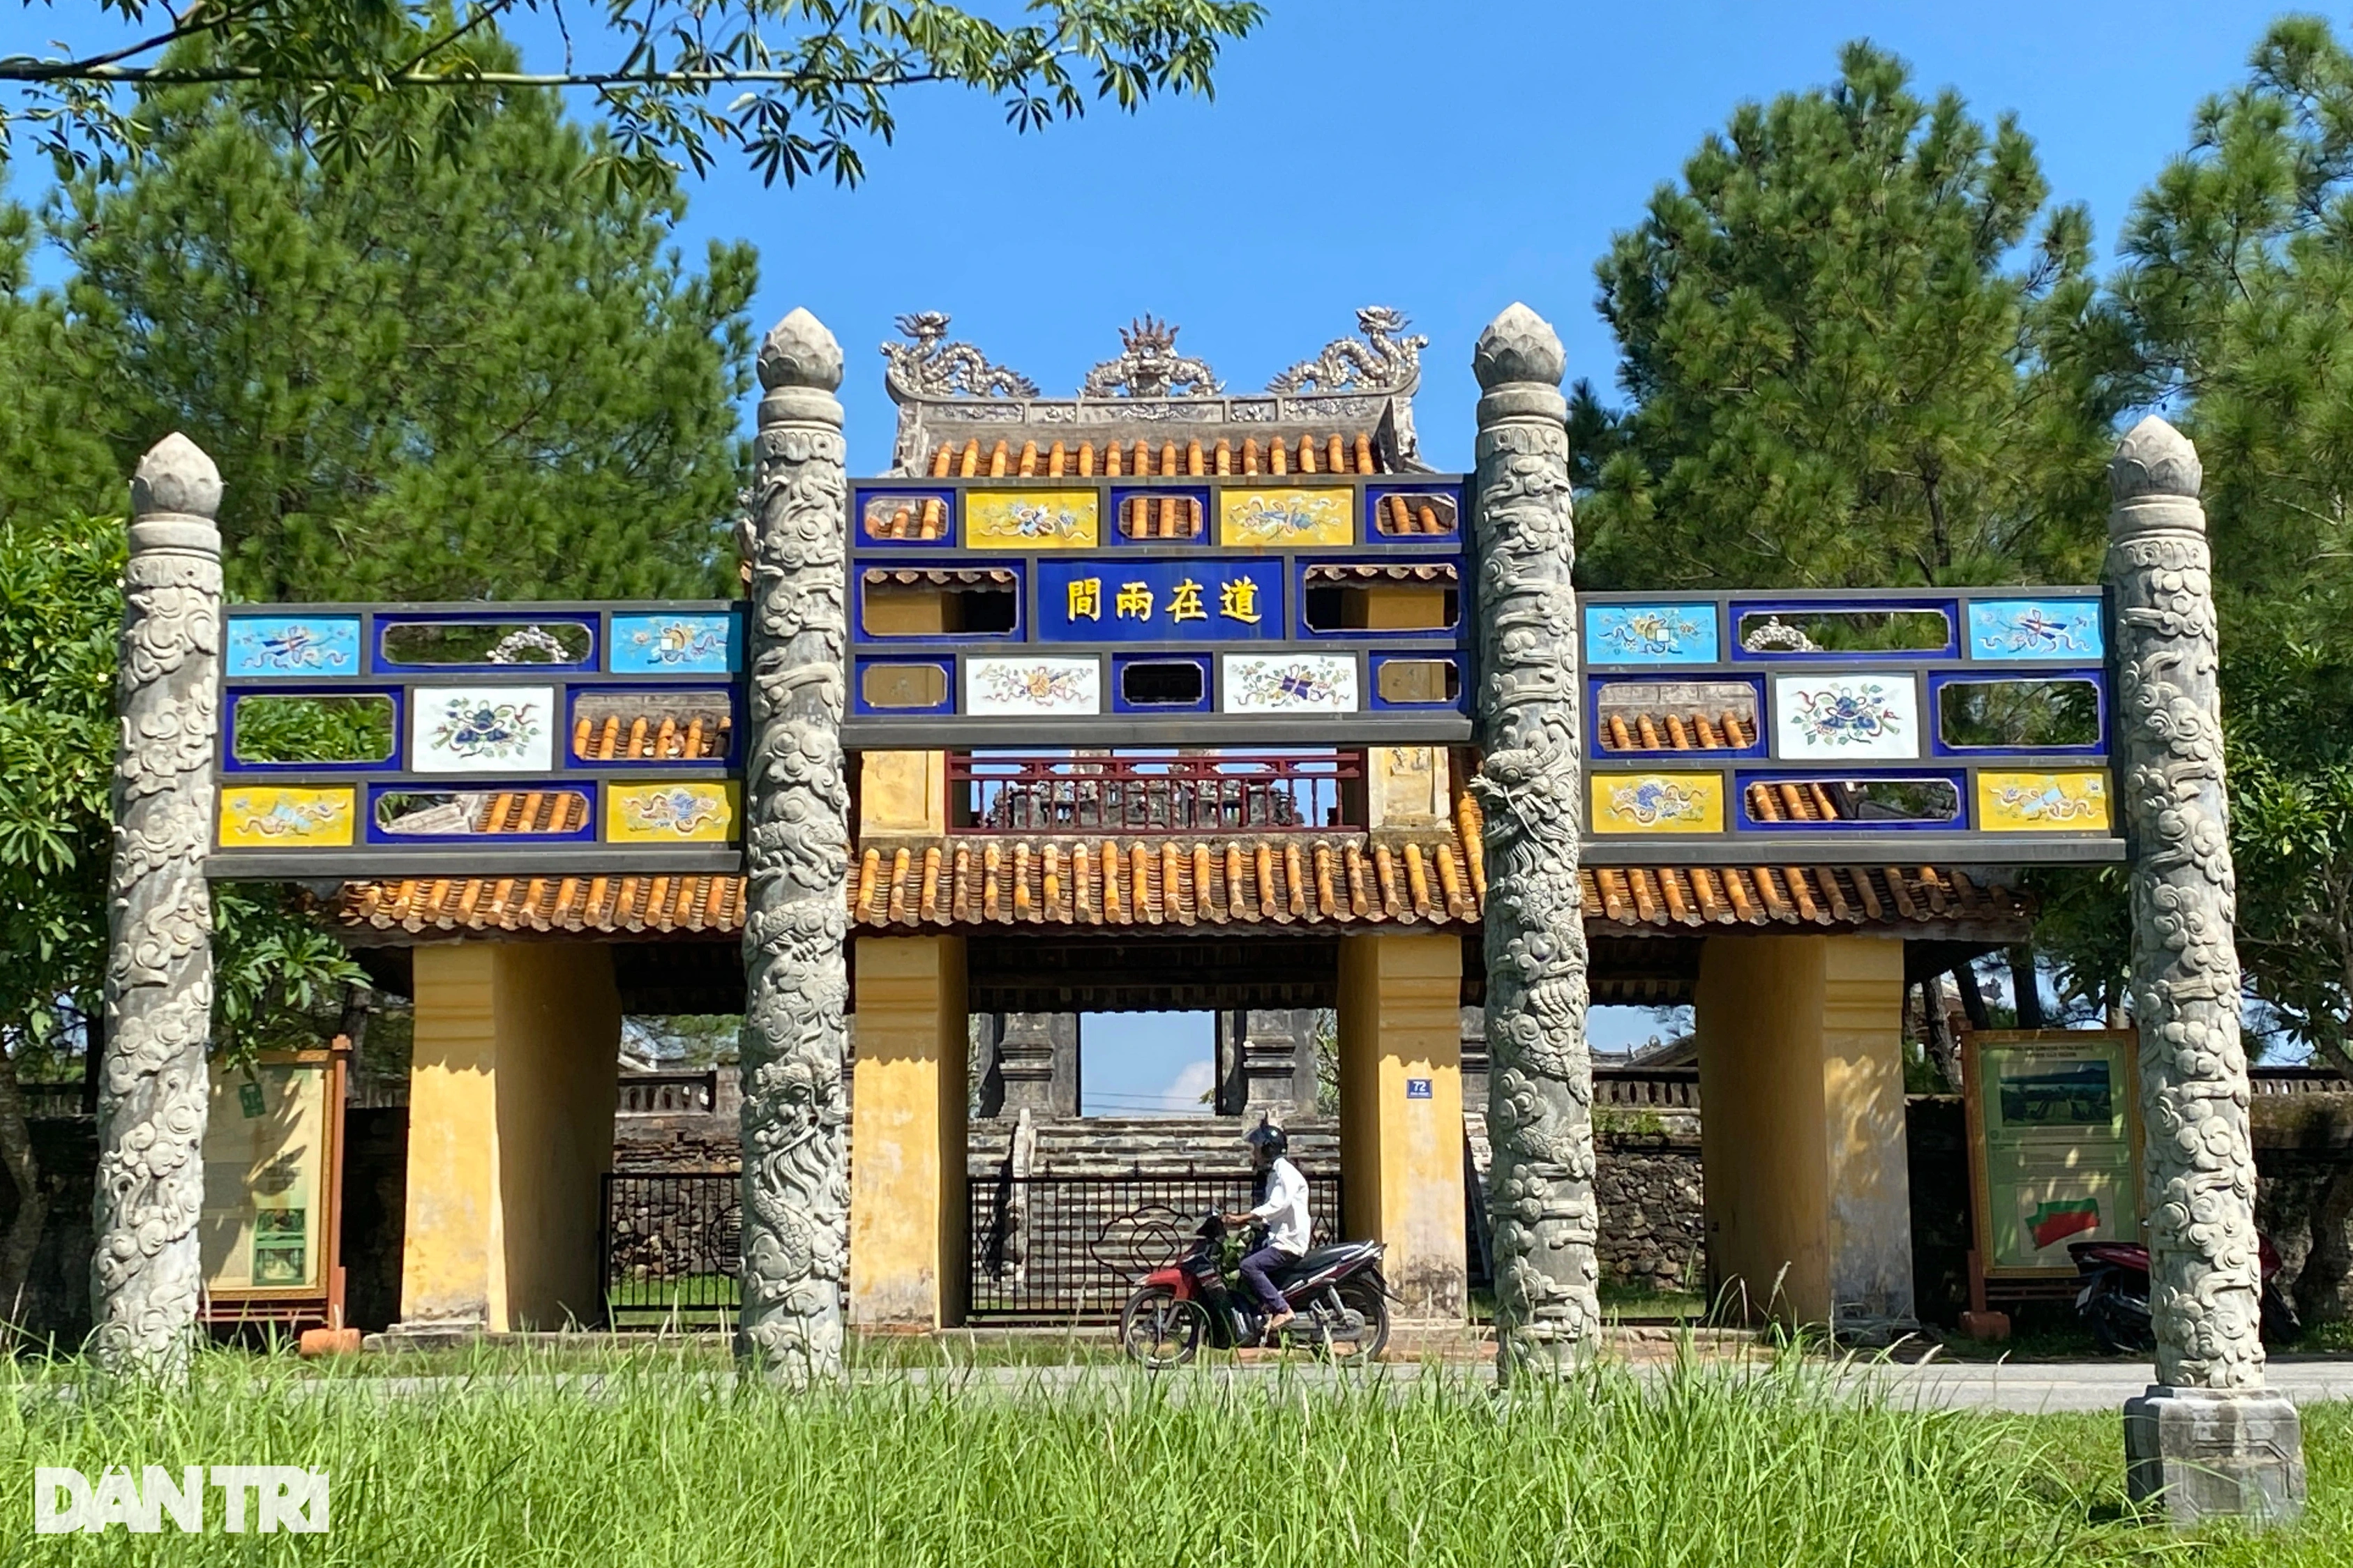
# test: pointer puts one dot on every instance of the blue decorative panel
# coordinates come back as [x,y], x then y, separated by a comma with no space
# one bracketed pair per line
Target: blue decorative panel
[309,645]
[1650,634]
[2035,628]
[1200,599]
[678,642]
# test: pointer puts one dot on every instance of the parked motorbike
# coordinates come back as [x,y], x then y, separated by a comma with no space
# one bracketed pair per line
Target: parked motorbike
[1338,1293]
[2113,1299]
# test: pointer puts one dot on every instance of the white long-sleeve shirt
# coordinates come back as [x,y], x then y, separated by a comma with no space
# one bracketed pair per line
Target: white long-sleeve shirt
[1284,1212]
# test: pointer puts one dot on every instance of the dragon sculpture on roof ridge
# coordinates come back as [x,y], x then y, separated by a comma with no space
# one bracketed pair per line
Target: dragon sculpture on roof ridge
[931,367]
[1389,359]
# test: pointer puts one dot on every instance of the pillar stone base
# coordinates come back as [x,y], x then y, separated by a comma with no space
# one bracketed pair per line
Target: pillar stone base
[2201,1453]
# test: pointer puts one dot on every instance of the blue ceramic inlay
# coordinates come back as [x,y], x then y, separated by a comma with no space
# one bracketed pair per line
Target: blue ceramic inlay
[309,645]
[678,642]
[2035,628]
[1663,633]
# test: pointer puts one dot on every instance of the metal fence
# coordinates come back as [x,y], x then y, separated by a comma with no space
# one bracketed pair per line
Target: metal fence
[668,1248]
[1069,1249]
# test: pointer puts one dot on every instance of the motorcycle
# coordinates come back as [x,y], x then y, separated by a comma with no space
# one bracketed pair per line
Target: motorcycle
[2114,1298]
[1338,1293]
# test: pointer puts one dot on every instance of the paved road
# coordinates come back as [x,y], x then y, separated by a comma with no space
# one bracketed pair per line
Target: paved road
[2035,1387]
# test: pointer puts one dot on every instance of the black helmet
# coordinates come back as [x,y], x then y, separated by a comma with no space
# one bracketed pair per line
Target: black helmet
[1266,1136]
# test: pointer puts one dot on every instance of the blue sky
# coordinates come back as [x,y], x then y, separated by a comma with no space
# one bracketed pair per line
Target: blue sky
[1443,158]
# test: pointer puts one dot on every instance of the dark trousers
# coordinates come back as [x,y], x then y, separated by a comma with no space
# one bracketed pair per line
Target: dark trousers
[1255,1269]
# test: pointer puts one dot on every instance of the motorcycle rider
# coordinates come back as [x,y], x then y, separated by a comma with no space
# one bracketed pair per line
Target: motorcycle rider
[1283,1211]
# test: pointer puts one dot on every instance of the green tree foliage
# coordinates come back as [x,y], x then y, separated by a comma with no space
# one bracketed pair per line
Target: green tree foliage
[1860,350]
[477,376]
[2237,277]
[806,81]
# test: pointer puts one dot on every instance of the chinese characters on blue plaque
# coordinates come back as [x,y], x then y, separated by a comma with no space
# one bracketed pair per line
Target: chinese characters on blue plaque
[1107,599]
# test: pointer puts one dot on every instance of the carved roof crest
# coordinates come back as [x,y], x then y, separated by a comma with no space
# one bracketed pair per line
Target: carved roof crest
[931,366]
[1150,367]
[1389,359]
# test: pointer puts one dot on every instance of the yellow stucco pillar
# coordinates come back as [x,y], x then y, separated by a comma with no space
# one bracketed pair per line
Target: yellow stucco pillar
[1801,1103]
[907,1134]
[902,794]
[1400,1020]
[511,1100]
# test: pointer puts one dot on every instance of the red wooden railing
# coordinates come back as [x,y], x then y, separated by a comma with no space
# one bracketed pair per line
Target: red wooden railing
[1224,792]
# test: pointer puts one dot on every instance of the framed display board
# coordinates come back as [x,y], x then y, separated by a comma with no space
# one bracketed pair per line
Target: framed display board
[271,1226]
[2054,1145]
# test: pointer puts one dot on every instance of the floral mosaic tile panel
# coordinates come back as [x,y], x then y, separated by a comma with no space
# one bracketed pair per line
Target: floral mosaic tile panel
[1031,520]
[2035,628]
[1657,802]
[1050,685]
[292,644]
[481,728]
[1650,634]
[1290,683]
[285,817]
[2043,803]
[1271,518]
[699,813]
[677,643]
[1838,717]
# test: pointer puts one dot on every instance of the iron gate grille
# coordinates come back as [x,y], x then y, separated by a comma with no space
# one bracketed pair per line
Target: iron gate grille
[1069,1249]
[668,1248]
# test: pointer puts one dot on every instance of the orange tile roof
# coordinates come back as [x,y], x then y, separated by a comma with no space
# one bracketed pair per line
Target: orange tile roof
[1299,879]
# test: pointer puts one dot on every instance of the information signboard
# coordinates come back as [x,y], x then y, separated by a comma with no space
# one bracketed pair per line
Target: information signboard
[272,1151]
[2055,1144]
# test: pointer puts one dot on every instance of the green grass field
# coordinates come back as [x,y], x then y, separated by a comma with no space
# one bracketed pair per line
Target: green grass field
[659,1461]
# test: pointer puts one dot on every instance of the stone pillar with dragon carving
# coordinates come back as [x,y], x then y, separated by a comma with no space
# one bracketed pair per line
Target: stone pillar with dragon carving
[1542,1210]
[2208,1438]
[146,1274]
[796,855]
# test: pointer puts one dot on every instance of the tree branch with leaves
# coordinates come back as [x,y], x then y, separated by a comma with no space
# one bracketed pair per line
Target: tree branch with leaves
[796,86]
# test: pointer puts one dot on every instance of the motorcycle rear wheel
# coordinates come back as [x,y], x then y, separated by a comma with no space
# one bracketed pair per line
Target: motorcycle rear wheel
[1359,1345]
[1159,1330]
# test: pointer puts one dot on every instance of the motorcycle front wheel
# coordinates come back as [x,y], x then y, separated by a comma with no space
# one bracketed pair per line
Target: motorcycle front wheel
[1158,1330]
[1363,1328]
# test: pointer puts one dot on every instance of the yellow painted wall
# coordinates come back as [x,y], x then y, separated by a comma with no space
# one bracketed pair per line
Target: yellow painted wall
[905,611]
[1400,1017]
[1802,1091]
[901,793]
[907,1129]
[1394,606]
[1407,787]
[511,1092]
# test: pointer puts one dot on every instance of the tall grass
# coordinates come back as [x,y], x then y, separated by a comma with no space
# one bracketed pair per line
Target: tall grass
[662,1460]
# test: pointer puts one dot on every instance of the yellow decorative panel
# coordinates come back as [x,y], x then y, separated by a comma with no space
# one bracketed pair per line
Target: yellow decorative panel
[1282,517]
[275,816]
[669,813]
[1031,520]
[1658,802]
[2039,803]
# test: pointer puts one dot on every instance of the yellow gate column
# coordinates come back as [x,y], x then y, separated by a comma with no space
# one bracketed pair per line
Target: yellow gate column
[510,1097]
[907,1134]
[1401,1112]
[1801,1125]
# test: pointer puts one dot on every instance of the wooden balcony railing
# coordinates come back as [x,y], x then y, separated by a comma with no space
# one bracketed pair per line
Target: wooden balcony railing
[1226,792]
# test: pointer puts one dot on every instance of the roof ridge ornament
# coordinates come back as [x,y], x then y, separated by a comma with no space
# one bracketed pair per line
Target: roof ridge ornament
[1150,367]
[931,366]
[1389,359]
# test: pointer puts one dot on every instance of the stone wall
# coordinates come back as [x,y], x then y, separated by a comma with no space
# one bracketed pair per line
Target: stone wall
[2304,1202]
[1654,1214]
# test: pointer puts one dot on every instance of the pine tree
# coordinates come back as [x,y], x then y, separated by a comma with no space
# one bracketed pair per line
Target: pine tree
[1860,350]
[471,375]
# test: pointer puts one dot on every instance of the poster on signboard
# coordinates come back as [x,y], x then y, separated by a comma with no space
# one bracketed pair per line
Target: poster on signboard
[2053,1144]
[267,1227]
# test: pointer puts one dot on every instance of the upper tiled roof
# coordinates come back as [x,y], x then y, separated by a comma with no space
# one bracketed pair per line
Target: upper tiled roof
[1352,404]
